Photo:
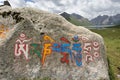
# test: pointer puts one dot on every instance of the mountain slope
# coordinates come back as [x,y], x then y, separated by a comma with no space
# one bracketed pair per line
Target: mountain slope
[76,19]
[106,20]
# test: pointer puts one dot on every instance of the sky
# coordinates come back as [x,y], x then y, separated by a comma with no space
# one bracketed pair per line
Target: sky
[86,8]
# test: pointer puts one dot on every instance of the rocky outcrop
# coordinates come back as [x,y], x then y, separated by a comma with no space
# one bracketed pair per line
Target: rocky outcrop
[6,3]
[39,44]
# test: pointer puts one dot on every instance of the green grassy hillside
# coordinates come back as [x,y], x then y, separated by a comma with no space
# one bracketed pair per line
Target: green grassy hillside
[76,19]
[112,40]
[82,22]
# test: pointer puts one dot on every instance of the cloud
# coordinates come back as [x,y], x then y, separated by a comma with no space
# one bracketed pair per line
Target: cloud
[1,2]
[17,3]
[115,0]
[86,8]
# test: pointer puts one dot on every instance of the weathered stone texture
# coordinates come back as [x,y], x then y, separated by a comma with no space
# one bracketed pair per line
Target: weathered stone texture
[35,23]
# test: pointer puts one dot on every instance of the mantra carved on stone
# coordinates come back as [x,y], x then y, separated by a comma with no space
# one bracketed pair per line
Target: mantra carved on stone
[70,52]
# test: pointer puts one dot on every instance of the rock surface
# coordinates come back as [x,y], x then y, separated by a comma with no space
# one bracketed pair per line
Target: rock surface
[36,24]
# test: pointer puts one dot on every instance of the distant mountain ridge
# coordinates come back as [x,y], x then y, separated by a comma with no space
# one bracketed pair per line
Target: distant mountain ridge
[99,20]
[76,19]
[106,20]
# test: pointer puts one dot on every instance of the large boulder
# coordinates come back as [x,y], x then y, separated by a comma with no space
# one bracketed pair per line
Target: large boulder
[35,44]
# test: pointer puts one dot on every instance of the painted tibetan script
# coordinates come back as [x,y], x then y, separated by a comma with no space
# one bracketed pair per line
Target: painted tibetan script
[70,51]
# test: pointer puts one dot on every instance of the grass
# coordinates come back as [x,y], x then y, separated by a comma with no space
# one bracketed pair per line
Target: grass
[112,41]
